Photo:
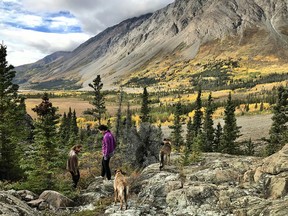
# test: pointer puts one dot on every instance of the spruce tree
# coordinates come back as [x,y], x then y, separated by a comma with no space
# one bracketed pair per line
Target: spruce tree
[128,126]
[130,139]
[279,122]
[188,144]
[119,121]
[73,129]
[247,108]
[147,145]
[197,118]
[98,99]
[73,125]
[197,145]
[189,135]
[176,133]
[230,130]
[217,138]
[68,131]
[13,129]
[145,109]
[261,106]
[42,162]
[250,147]
[64,129]
[208,129]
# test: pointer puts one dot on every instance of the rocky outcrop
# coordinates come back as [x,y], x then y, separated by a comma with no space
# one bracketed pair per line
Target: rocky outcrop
[272,174]
[26,203]
[12,206]
[218,185]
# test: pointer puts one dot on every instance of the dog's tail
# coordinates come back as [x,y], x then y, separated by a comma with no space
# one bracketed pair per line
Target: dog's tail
[161,160]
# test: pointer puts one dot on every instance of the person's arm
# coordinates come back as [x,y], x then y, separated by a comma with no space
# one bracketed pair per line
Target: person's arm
[104,147]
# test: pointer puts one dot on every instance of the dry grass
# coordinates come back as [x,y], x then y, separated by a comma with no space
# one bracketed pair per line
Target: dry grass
[63,105]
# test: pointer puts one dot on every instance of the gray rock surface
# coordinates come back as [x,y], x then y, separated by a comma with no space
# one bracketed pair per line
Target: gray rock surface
[220,184]
[12,206]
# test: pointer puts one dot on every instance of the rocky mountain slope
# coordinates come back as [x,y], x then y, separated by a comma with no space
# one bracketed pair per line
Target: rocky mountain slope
[218,185]
[182,31]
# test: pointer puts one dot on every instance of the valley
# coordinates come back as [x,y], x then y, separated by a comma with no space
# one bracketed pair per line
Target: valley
[254,126]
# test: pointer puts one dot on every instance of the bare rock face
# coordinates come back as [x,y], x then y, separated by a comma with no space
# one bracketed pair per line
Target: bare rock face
[12,206]
[219,185]
[273,173]
[96,190]
[276,163]
[27,195]
[182,30]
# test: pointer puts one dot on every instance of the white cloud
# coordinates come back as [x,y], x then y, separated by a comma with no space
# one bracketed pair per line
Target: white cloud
[29,20]
[63,22]
[27,46]
[23,23]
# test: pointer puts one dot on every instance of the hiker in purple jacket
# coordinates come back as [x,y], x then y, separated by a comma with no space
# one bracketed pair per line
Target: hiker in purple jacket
[108,147]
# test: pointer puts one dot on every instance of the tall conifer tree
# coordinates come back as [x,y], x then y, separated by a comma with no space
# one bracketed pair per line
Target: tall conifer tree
[42,161]
[217,138]
[230,130]
[74,127]
[128,126]
[208,129]
[278,130]
[189,135]
[119,121]
[69,131]
[145,109]
[74,130]
[189,143]
[12,118]
[98,100]
[176,133]
[197,118]
[63,130]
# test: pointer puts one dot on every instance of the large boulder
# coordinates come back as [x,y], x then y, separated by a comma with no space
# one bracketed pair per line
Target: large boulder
[273,174]
[276,163]
[12,206]
[96,190]
[52,200]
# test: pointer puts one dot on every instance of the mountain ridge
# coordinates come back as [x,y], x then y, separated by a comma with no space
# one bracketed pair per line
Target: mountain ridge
[182,31]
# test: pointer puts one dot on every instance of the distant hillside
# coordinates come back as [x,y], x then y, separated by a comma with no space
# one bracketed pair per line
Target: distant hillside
[173,44]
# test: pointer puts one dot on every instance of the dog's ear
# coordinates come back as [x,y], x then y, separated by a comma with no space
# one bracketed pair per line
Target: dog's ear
[115,171]
[124,173]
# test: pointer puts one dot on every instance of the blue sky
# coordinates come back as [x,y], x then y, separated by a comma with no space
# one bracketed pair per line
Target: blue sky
[32,29]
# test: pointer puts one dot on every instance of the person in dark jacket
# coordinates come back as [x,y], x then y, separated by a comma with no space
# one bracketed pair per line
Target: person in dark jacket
[73,164]
[108,148]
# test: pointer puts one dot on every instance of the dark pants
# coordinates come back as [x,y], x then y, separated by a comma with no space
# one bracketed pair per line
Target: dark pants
[105,168]
[75,178]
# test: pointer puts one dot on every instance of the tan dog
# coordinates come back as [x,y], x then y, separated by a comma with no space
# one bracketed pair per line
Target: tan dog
[165,152]
[120,188]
